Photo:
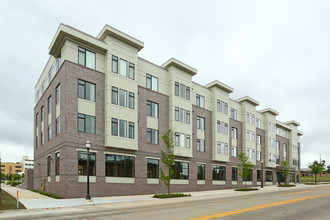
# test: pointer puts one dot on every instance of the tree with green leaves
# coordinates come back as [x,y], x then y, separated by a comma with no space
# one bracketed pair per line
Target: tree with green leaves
[286,170]
[168,159]
[316,167]
[244,167]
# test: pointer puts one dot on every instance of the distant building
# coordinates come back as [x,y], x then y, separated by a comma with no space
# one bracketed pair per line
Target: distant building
[99,89]
[12,168]
[28,164]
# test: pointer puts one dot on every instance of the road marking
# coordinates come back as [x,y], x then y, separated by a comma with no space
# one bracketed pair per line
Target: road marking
[256,208]
[302,192]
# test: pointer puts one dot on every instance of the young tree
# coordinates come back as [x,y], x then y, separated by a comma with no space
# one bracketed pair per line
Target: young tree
[245,166]
[168,159]
[286,170]
[316,167]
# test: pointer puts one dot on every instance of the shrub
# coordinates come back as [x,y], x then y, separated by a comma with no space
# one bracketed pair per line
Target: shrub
[13,183]
[246,189]
[286,185]
[172,195]
[47,194]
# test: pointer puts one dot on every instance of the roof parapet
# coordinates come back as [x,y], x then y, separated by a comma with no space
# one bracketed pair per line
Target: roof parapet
[113,32]
[293,122]
[270,110]
[248,99]
[281,124]
[219,85]
[178,64]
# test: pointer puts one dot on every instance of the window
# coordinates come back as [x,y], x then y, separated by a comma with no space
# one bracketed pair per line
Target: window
[131,71]
[187,141]
[42,114]
[42,138]
[182,90]
[258,155]
[271,127]
[258,139]
[200,123]
[57,163]
[233,114]
[114,64]
[222,127]
[200,171]
[122,128]
[37,119]
[218,172]
[249,177]
[57,94]
[152,168]
[49,75]
[269,176]
[182,115]
[176,88]
[49,104]
[291,176]
[182,140]
[234,173]
[200,101]
[86,90]
[152,136]
[222,106]
[119,166]
[222,148]
[37,142]
[82,163]
[284,147]
[123,67]
[58,125]
[123,98]
[234,151]
[177,115]
[234,133]
[43,87]
[250,136]
[277,146]
[49,132]
[131,130]
[177,139]
[131,100]
[181,170]
[259,175]
[152,109]
[86,123]
[86,58]
[58,63]
[49,165]
[187,117]
[200,145]
[152,82]
[187,93]
[114,95]
[295,162]
[258,123]
[114,126]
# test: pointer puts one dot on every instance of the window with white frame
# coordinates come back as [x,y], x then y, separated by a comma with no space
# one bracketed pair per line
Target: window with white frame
[222,127]
[234,133]
[86,58]
[258,123]
[152,82]
[234,151]
[152,109]
[200,123]
[258,139]
[233,114]
[200,101]
[222,148]
[258,155]
[200,145]
[222,106]
[250,136]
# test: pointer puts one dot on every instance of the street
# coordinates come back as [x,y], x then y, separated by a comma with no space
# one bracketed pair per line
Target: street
[311,202]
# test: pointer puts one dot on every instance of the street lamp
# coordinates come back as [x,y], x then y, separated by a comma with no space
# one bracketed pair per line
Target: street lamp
[262,173]
[88,146]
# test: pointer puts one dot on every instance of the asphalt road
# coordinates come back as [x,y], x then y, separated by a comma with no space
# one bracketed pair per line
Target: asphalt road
[308,203]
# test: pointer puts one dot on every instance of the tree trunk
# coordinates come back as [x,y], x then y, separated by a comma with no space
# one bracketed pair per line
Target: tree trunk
[168,189]
[315,177]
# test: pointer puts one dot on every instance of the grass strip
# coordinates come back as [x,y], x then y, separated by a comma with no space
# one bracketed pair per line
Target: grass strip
[172,195]
[46,194]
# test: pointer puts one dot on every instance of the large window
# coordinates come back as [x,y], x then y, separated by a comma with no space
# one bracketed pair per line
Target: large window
[49,165]
[200,101]
[57,94]
[82,163]
[114,95]
[259,175]
[200,171]
[152,168]
[123,98]
[114,64]
[119,166]
[57,163]
[200,123]
[269,176]
[86,123]
[152,82]
[152,109]
[181,170]
[234,173]
[86,58]
[218,172]
[86,90]
[152,136]
[249,177]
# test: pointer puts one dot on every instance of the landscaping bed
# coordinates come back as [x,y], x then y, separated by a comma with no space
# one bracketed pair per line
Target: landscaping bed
[246,189]
[172,195]
[9,202]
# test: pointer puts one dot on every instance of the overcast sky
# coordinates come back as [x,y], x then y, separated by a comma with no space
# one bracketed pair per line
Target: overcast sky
[276,52]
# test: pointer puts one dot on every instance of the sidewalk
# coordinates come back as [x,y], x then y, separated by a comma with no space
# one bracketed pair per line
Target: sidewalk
[33,200]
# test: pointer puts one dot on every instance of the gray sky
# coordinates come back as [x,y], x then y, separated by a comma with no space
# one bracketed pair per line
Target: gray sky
[276,52]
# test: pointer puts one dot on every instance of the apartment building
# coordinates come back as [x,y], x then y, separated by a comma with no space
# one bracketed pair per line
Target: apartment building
[12,168]
[99,89]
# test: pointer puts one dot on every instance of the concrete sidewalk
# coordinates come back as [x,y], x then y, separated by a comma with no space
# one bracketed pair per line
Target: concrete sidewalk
[33,200]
